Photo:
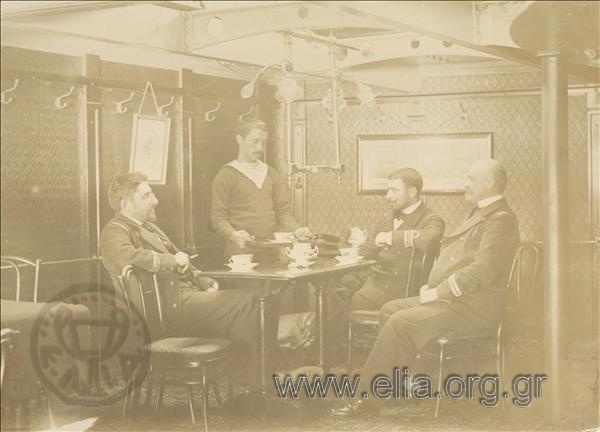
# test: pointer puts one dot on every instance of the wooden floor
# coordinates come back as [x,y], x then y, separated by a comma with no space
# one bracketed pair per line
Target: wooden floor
[313,415]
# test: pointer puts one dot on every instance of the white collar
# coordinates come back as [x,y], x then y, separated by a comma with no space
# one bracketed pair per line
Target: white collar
[132,219]
[489,201]
[412,208]
[256,176]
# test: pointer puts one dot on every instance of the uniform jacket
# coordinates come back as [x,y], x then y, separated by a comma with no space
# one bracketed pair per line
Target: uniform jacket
[423,229]
[123,242]
[473,267]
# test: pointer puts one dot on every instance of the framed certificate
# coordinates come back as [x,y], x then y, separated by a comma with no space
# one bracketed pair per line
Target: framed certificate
[150,147]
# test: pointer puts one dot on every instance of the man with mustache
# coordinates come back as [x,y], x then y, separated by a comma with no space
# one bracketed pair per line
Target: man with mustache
[466,290]
[409,224]
[192,304]
[250,200]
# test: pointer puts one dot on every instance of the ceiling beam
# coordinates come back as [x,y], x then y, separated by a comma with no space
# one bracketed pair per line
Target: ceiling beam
[451,21]
[36,10]
[239,23]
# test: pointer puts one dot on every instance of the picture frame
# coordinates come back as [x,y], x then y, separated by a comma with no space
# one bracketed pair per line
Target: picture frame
[150,147]
[441,159]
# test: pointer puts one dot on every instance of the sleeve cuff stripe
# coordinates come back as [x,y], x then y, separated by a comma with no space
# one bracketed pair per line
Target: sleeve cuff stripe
[454,286]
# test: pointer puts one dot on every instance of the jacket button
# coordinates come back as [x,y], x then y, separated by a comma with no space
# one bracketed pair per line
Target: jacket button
[174,305]
[462,238]
[171,283]
[452,259]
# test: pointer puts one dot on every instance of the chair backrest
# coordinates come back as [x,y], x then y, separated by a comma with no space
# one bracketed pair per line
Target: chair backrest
[518,278]
[140,290]
[17,263]
[419,268]
[515,278]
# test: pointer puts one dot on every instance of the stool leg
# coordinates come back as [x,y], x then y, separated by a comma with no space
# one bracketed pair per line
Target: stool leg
[161,389]
[440,379]
[204,399]
[149,387]
[191,403]
[349,352]
[215,390]
[229,381]
[50,413]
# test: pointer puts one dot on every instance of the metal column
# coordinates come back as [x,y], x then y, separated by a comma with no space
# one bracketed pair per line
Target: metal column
[555,160]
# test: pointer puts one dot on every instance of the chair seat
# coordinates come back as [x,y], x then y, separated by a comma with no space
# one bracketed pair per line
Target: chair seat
[365,316]
[192,349]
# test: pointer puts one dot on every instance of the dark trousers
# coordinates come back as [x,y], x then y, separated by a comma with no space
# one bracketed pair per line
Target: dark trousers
[377,291]
[406,327]
[229,314]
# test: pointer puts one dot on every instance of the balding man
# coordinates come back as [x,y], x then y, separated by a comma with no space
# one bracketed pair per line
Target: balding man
[466,289]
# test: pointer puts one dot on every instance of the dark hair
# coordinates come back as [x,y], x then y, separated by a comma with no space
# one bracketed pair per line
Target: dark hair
[124,186]
[246,125]
[410,177]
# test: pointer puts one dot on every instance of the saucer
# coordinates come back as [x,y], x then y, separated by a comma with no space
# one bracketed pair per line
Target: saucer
[241,268]
[348,260]
[302,264]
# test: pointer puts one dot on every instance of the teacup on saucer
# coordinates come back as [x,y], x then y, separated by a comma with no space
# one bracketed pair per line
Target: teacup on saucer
[241,267]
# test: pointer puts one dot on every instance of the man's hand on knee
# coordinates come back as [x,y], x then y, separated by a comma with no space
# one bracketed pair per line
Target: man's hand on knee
[427,294]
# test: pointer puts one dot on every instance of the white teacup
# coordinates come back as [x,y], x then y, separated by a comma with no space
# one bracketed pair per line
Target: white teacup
[351,252]
[241,260]
[282,236]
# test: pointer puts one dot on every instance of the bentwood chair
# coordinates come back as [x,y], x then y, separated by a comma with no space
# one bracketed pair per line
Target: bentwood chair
[418,271]
[180,357]
[17,263]
[494,343]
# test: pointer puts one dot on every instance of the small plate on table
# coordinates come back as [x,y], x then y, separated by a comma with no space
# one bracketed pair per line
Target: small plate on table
[343,260]
[241,268]
[301,265]
[271,243]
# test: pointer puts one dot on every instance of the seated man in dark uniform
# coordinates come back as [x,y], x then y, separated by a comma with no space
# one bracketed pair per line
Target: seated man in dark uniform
[193,307]
[410,224]
[466,290]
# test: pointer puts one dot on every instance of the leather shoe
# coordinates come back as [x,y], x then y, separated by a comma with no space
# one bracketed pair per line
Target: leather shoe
[350,409]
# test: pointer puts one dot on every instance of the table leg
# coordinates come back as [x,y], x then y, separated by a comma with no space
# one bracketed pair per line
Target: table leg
[321,319]
[262,343]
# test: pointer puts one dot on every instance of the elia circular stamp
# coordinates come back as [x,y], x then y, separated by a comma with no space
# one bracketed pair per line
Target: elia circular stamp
[87,346]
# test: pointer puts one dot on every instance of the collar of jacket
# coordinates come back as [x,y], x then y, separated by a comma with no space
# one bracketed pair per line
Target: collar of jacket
[478,217]
[413,218]
[124,220]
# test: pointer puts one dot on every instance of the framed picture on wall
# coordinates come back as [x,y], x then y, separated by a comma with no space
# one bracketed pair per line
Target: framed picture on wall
[150,147]
[442,160]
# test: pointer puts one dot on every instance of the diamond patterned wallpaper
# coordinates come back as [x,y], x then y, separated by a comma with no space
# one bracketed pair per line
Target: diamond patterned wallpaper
[515,122]
[42,188]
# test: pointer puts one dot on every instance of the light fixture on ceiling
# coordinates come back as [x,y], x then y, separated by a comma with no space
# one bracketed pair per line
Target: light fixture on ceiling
[365,95]
[286,66]
[215,26]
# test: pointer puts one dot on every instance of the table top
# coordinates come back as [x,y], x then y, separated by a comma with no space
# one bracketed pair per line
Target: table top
[279,271]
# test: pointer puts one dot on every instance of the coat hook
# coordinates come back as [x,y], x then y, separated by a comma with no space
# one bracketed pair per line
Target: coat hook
[59,102]
[161,109]
[120,106]
[6,100]
[209,116]
[246,114]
